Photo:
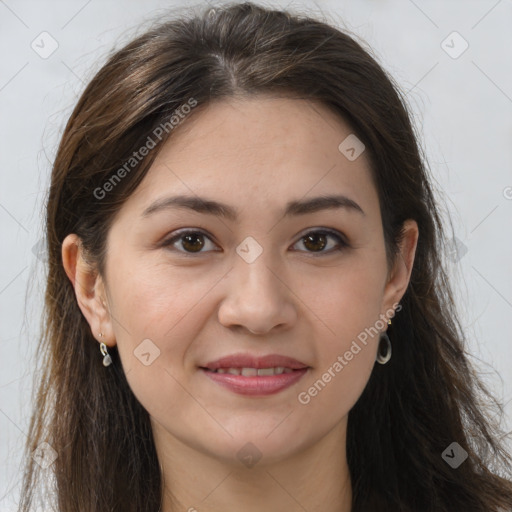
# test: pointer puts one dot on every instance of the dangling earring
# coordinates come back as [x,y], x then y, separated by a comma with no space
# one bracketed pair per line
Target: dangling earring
[383,358]
[107,360]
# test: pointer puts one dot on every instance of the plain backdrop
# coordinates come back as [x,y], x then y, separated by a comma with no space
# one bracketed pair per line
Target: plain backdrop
[452,60]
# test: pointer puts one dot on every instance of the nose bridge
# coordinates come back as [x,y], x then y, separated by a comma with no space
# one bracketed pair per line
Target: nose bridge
[256,297]
[253,275]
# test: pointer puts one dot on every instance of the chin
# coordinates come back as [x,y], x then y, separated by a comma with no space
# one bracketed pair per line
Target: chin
[252,447]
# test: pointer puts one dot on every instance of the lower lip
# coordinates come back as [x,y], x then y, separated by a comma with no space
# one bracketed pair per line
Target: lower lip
[257,385]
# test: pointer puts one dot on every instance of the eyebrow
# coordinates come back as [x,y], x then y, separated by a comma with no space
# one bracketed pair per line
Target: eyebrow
[292,208]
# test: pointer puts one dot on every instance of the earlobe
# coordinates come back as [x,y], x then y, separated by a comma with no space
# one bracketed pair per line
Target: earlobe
[89,290]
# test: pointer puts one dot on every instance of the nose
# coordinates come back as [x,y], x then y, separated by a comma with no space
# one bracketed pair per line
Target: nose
[257,299]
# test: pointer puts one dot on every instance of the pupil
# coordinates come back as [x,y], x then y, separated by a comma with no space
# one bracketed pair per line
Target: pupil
[312,238]
[197,246]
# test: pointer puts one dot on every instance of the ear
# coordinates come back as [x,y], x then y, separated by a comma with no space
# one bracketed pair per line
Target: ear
[89,289]
[400,273]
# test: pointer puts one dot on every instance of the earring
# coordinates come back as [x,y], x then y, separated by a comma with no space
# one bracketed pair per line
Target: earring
[383,358]
[107,360]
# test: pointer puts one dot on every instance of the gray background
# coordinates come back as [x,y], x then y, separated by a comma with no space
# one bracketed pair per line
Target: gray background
[463,111]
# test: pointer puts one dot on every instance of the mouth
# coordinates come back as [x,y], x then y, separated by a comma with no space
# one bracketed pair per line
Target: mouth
[253,372]
[252,375]
[255,382]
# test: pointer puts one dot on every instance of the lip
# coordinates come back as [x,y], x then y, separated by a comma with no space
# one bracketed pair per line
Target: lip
[259,385]
[258,362]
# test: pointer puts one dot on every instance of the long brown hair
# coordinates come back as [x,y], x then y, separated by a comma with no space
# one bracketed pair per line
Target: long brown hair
[427,397]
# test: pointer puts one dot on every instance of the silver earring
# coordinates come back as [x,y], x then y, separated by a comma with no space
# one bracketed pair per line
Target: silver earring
[107,360]
[383,358]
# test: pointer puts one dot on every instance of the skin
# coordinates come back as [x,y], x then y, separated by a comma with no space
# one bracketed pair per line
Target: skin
[296,299]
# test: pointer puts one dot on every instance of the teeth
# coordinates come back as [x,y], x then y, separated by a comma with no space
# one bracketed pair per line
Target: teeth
[252,372]
[267,371]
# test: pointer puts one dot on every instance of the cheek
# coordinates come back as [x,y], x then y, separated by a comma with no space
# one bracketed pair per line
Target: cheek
[345,351]
[346,317]
[333,391]
[346,299]
[154,301]
[158,312]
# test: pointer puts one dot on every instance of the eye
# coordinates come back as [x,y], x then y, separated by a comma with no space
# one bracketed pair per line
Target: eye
[317,241]
[193,241]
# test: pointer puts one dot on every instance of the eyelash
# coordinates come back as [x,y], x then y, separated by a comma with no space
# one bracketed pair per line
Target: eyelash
[334,234]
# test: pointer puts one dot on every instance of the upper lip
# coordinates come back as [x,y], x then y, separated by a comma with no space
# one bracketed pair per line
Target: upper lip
[252,361]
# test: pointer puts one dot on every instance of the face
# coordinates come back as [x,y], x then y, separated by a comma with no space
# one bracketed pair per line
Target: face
[186,287]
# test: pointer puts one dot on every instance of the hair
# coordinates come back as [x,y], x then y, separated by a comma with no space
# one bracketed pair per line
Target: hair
[427,397]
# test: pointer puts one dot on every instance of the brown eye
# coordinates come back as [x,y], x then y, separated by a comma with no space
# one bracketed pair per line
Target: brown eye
[191,241]
[317,241]
[194,242]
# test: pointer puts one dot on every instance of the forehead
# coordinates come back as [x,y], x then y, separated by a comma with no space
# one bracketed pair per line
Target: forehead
[264,148]
[259,128]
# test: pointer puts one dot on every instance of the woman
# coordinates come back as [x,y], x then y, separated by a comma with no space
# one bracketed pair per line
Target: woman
[246,305]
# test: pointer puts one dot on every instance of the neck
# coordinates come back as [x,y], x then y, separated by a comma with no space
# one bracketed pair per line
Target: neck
[315,478]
